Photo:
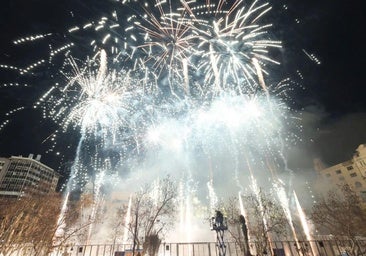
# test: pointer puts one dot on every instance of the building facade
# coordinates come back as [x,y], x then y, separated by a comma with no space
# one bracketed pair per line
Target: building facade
[19,175]
[351,172]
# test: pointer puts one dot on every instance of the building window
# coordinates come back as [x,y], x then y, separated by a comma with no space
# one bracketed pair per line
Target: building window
[362,163]
[358,184]
[327,175]
[341,178]
[338,172]
[353,174]
[349,167]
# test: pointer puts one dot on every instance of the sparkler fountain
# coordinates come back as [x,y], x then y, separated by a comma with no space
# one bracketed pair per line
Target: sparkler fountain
[180,90]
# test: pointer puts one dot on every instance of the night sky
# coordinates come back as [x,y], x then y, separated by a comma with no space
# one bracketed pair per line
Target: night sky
[332,104]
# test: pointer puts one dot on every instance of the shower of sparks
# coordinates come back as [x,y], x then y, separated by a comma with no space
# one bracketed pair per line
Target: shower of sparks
[217,44]
[103,97]
[229,42]
[174,86]
[167,41]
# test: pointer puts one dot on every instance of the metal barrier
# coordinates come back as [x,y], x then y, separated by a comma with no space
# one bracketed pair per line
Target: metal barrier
[278,248]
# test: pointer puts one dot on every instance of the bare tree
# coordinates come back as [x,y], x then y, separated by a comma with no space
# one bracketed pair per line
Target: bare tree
[75,221]
[151,212]
[340,213]
[28,222]
[232,213]
[265,219]
[31,222]
[118,224]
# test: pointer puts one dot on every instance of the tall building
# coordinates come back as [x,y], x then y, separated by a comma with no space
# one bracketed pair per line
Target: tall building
[351,172]
[19,175]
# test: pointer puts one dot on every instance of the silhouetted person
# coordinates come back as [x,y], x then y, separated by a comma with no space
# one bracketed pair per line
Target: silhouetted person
[219,219]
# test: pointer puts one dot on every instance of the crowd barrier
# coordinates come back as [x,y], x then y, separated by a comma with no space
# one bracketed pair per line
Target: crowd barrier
[278,248]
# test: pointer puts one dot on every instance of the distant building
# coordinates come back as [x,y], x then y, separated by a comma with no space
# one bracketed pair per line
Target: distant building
[351,172]
[19,175]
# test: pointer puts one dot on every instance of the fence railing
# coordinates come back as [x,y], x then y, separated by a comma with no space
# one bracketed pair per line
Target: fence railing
[277,248]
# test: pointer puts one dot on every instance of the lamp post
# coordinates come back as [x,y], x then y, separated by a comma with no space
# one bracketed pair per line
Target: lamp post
[219,225]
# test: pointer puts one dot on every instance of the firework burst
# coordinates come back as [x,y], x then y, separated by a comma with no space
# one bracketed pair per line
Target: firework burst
[230,41]
[94,97]
[188,95]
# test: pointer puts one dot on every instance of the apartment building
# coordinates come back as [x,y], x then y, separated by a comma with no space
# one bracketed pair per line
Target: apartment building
[19,175]
[351,172]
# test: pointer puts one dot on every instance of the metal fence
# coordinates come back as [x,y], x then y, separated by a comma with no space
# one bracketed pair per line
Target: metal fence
[278,248]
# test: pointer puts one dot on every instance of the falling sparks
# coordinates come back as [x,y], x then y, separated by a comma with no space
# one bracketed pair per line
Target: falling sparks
[102,97]
[174,87]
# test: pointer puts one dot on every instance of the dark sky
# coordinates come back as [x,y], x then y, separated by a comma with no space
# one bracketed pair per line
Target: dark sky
[333,103]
